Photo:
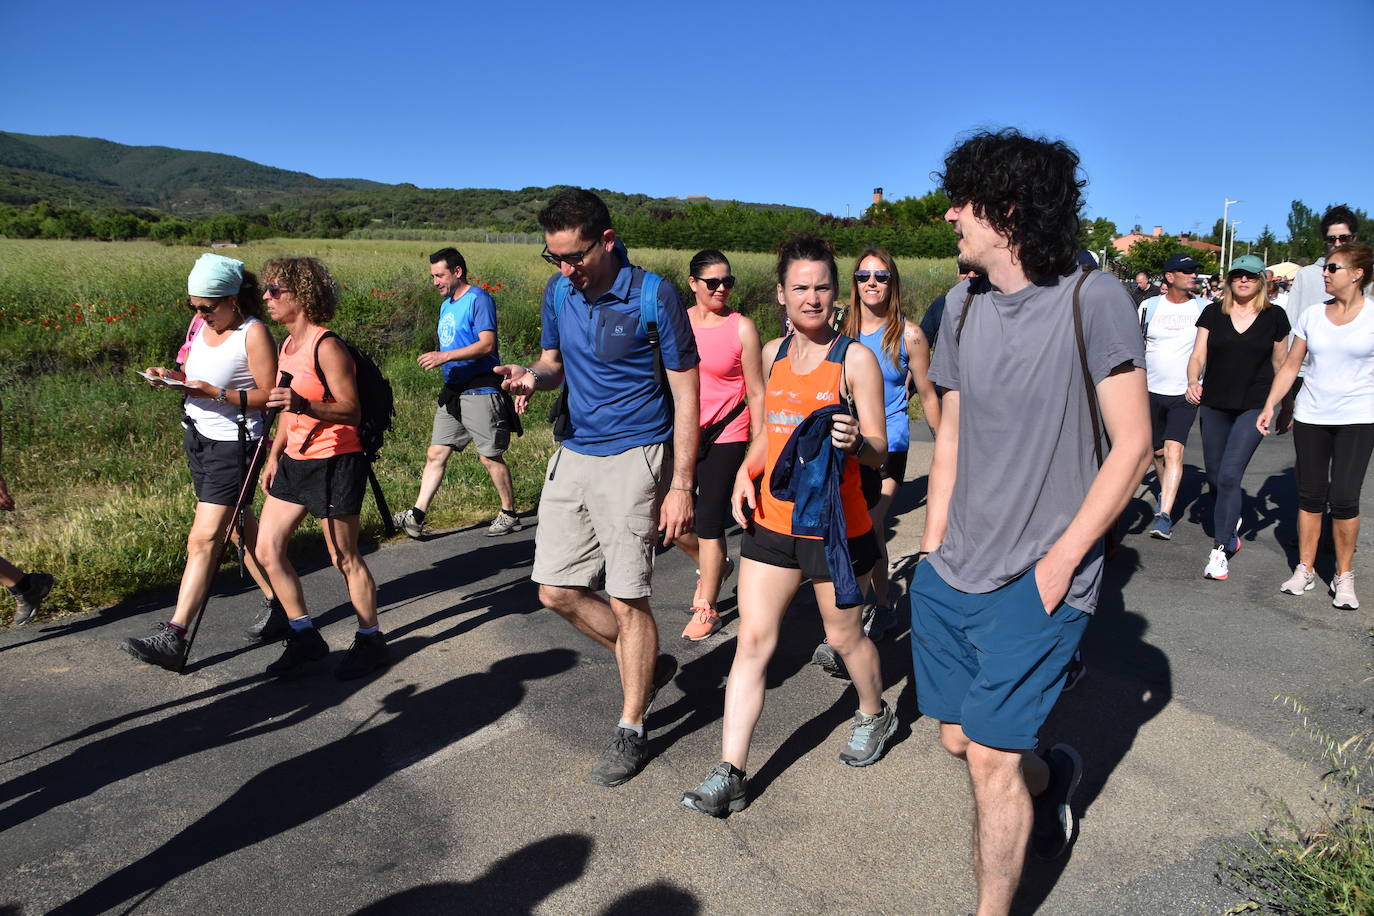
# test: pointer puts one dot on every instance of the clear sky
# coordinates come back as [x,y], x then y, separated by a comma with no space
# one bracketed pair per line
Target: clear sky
[1173,106]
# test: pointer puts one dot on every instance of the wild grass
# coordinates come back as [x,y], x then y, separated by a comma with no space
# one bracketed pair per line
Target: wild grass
[93,456]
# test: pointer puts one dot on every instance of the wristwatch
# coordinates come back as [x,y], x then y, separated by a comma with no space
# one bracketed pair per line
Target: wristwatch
[219,398]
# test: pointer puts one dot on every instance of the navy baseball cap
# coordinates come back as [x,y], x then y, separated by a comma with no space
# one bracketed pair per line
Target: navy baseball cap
[1180,263]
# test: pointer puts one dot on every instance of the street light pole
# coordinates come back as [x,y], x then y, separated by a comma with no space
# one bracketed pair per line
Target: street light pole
[1225,210]
[1230,255]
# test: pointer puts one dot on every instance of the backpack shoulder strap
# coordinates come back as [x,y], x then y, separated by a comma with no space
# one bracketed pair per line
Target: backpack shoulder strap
[1093,414]
[561,290]
[648,299]
[319,371]
[963,314]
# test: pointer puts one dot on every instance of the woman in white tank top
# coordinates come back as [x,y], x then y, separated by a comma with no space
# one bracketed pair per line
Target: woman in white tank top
[230,368]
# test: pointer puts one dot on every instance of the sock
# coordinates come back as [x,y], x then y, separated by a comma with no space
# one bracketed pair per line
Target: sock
[637,729]
[302,623]
[21,586]
[180,630]
[419,514]
[510,512]
[734,770]
[368,631]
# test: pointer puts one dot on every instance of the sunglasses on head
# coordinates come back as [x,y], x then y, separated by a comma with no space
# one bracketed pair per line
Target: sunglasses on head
[863,276]
[715,283]
[1338,239]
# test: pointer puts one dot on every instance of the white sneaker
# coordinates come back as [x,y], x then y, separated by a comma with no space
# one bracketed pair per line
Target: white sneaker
[1216,565]
[1302,580]
[1343,592]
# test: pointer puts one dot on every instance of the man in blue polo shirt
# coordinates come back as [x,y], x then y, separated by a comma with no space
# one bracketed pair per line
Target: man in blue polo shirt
[472,407]
[626,469]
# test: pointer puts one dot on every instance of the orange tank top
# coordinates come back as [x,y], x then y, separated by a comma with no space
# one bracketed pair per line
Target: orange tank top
[789,399]
[332,439]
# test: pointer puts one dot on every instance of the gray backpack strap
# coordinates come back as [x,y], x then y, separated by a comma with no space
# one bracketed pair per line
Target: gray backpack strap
[1083,362]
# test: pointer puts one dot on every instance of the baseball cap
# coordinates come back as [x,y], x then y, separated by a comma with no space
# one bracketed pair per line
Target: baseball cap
[1182,263]
[1250,263]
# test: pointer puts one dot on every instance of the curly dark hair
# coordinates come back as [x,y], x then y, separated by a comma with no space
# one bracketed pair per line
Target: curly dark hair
[1027,188]
[310,281]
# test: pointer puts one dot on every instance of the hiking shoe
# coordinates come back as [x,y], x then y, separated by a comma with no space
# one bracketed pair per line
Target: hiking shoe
[27,602]
[720,794]
[879,621]
[366,655]
[407,522]
[665,669]
[1052,830]
[504,523]
[302,648]
[1343,592]
[164,648]
[1075,672]
[868,736]
[705,622]
[1302,580]
[1163,527]
[622,759]
[828,660]
[1217,567]
[271,623]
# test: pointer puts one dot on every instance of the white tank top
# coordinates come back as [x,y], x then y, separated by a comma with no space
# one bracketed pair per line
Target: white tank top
[224,366]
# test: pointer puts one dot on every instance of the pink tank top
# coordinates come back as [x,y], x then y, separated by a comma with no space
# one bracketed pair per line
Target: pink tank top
[722,377]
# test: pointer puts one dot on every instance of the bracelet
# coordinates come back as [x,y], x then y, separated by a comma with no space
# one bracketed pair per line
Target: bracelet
[220,398]
[684,489]
[530,370]
[863,441]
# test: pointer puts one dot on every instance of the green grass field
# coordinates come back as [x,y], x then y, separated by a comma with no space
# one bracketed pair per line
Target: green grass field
[93,456]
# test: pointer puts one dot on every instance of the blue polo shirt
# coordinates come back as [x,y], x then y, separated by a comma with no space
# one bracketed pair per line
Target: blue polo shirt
[461,321]
[614,401]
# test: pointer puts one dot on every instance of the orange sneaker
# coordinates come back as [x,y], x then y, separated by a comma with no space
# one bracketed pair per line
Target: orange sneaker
[704,622]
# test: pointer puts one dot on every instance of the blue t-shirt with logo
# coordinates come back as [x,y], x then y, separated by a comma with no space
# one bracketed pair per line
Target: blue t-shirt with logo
[614,400]
[461,321]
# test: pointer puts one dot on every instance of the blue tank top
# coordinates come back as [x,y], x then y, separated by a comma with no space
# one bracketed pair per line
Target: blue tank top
[894,390]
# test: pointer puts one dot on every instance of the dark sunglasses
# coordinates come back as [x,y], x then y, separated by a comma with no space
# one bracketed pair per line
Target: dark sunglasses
[863,276]
[1332,268]
[202,309]
[1242,275]
[274,290]
[715,283]
[572,260]
[1338,239]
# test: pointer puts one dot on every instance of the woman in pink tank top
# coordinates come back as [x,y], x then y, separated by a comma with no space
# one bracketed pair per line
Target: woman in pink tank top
[731,373]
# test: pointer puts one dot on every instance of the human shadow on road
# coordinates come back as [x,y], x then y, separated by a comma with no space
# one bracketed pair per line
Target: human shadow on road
[659,898]
[295,791]
[514,884]
[1128,683]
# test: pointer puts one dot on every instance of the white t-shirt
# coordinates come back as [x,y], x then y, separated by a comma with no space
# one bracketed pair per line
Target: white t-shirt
[1339,385]
[1169,342]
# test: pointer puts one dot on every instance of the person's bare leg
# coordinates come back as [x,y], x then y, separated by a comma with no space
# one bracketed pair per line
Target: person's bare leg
[1309,534]
[248,553]
[499,472]
[341,536]
[9,573]
[1002,824]
[711,562]
[1345,531]
[1159,473]
[1171,476]
[845,633]
[279,520]
[764,594]
[636,649]
[436,459]
[584,609]
[202,544]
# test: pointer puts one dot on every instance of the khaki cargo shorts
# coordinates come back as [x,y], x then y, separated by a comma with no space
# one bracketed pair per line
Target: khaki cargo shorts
[483,422]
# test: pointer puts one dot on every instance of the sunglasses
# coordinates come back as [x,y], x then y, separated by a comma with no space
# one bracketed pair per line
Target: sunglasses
[274,291]
[715,283]
[1242,275]
[1332,268]
[572,260]
[863,276]
[206,310]
[1338,239]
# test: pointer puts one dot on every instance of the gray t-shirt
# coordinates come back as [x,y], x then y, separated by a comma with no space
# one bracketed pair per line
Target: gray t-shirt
[1025,437]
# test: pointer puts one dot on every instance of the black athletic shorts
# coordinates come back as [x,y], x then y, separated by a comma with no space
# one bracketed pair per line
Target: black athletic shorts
[807,554]
[715,482]
[1171,417]
[871,479]
[327,487]
[216,467]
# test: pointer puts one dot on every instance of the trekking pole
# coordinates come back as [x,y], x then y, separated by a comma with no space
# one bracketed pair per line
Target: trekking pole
[250,483]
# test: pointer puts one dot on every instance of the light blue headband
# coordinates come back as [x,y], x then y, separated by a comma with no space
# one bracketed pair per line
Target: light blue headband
[214,276]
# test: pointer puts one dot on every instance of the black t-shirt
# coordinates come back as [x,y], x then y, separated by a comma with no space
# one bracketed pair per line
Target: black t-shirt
[1140,295]
[930,321]
[1240,367]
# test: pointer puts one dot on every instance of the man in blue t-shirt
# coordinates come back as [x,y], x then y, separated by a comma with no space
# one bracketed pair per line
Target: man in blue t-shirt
[472,406]
[626,468]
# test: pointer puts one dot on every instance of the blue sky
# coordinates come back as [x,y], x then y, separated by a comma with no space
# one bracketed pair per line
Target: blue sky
[1173,106]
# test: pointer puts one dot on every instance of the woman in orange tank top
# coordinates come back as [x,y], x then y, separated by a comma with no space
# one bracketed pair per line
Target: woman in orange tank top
[773,560]
[316,465]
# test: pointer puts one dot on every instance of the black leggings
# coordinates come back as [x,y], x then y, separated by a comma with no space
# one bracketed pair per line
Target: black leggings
[715,483]
[1331,461]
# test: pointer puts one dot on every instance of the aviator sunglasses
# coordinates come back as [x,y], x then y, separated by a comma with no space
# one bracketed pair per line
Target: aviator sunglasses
[1338,239]
[863,276]
[715,283]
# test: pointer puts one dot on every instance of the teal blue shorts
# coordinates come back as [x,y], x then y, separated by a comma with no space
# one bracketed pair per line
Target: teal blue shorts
[994,663]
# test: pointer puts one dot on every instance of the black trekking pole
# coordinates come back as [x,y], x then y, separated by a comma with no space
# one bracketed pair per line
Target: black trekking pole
[250,483]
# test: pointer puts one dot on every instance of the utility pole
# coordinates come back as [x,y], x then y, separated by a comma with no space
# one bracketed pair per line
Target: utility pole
[1225,210]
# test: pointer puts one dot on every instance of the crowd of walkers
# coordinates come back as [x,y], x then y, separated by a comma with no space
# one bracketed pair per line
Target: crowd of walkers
[1048,387]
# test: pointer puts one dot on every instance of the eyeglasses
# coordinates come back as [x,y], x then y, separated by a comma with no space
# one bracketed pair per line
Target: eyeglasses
[715,283]
[572,260]
[1339,239]
[274,291]
[863,276]
[1331,268]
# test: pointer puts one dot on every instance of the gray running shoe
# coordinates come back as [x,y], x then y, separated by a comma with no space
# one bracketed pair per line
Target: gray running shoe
[828,660]
[868,737]
[622,759]
[720,794]
[407,522]
[504,523]
[27,602]
[1052,831]
[164,648]
[879,621]
[270,625]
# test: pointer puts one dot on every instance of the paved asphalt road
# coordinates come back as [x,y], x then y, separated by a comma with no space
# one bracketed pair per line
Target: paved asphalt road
[455,782]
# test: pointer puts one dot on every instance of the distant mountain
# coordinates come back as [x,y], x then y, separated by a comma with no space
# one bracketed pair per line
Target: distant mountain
[86,172]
